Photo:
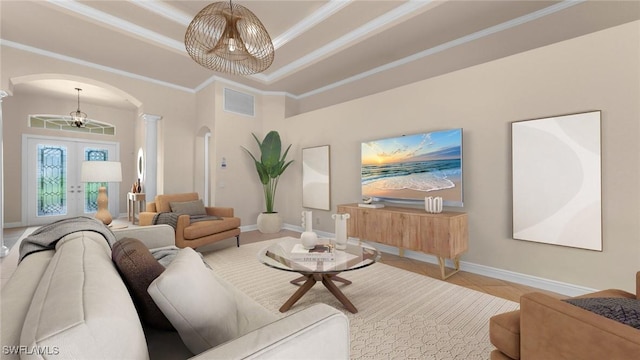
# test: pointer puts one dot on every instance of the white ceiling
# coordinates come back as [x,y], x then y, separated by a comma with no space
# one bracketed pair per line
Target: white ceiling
[326,51]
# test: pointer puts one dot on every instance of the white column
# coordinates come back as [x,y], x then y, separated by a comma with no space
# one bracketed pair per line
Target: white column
[207,169]
[151,150]
[3,249]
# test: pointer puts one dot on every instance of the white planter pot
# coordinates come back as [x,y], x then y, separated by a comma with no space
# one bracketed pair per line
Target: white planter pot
[269,223]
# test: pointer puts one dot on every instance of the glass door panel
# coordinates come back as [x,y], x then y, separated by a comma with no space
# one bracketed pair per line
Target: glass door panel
[91,189]
[53,187]
[51,180]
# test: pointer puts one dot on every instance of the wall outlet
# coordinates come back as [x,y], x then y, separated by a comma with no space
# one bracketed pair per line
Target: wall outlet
[317,221]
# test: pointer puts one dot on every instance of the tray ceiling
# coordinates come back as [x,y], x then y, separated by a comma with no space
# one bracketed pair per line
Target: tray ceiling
[326,51]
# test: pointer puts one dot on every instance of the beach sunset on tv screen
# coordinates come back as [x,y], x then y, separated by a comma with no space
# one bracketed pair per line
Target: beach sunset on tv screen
[412,167]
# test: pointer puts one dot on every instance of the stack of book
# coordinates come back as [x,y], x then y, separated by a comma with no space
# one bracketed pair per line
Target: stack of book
[320,252]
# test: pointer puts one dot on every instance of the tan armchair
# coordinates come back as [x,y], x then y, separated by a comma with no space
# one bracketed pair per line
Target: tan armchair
[548,328]
[194,234]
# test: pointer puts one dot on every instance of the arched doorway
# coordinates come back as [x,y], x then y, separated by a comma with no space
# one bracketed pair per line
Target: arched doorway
[33,93]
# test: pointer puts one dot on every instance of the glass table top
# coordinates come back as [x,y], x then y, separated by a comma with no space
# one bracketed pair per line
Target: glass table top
[279,255]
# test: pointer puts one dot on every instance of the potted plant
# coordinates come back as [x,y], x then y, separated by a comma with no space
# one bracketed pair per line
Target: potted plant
[269,167]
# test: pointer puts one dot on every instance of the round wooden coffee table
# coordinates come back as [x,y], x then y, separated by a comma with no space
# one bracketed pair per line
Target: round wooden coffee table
[356,256]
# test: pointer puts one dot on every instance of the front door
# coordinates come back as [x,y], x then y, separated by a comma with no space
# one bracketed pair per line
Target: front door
[53,188]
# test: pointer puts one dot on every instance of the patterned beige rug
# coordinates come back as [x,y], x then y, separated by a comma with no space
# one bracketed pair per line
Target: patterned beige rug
[401,315]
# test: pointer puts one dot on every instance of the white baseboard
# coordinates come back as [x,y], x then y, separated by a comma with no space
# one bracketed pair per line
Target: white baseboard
[245,228]
[13,225]
[528,280]
[496,273]
[300,229]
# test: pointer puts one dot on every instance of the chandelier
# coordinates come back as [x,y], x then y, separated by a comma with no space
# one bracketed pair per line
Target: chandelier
[229,38]
[78,118]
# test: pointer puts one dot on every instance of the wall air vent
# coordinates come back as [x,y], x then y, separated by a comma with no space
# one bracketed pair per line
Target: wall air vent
[239,103]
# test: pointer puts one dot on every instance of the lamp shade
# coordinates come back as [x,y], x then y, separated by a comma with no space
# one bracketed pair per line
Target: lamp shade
[101,171]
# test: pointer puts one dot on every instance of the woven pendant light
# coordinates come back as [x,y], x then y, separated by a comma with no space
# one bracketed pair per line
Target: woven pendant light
[229,38]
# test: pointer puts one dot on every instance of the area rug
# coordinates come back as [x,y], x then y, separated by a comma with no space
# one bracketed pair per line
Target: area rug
[401,315]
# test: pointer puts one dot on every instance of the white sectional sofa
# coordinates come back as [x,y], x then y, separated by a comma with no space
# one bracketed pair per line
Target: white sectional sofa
[71,303]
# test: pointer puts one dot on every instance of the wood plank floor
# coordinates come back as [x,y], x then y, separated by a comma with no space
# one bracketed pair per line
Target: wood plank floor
[495,287]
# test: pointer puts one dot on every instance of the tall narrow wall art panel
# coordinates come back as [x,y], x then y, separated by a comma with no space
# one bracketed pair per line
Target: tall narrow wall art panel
[316,173]
[557,193]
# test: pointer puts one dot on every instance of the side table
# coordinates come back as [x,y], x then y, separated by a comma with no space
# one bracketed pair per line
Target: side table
[134,199]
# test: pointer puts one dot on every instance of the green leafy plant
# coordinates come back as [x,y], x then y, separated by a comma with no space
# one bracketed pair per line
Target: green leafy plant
[270,166]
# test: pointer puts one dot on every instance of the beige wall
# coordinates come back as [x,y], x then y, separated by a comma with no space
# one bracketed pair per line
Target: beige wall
[177,127]
[595,72]
[16,111]
[237,185]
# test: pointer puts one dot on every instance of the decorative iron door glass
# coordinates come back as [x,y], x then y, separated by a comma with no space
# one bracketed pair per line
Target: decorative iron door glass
[53,189]
[557,180]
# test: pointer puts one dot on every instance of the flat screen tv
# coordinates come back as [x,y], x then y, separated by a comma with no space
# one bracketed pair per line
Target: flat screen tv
[407,168]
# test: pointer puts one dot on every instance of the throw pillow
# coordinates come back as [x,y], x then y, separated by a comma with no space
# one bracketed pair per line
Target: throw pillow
[195,207]
[138,268]
[201,309]
[624,310]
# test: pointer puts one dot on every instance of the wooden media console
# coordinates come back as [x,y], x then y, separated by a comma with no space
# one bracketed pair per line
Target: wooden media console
[444,235]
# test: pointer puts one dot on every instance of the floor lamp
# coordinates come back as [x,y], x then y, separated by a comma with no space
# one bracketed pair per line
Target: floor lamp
[102,171]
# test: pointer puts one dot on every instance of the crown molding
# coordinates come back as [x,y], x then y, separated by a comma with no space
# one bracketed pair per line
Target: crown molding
[373,25]
[166,11]
[310,21]
[307,23]
[448,45]
[296,30]
[237,85]
[363,31]
[73,60]
[209,81]
[120,24]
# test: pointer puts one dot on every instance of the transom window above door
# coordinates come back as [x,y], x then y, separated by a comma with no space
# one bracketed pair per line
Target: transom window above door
[59,122]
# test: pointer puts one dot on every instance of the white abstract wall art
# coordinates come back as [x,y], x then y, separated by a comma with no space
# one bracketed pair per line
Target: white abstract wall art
[316,183]
[556,164]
